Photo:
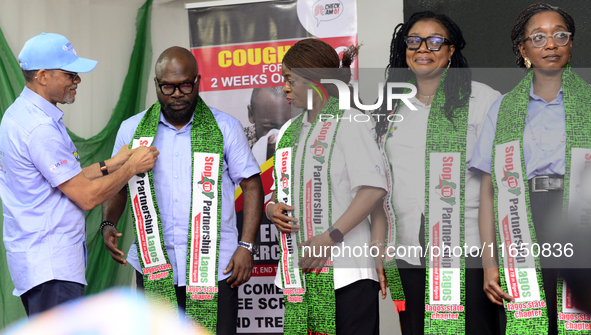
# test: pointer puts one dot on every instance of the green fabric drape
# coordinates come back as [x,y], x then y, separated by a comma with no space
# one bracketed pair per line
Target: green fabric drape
[102,271]
[11,85]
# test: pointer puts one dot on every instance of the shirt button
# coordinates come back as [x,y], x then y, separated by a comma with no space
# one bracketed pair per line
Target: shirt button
[176,177]
[176,154]
[176,200]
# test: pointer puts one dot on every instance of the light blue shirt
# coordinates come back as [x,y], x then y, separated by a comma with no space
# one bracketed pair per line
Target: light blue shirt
[172,184]
[546,124]
[44,231]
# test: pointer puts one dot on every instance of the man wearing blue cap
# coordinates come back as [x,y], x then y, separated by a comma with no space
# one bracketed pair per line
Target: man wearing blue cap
[43,188]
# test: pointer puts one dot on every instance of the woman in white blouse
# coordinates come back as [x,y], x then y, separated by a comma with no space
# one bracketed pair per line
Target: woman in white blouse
[421,51]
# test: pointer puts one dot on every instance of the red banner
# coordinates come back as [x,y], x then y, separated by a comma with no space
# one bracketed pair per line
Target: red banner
[250,65]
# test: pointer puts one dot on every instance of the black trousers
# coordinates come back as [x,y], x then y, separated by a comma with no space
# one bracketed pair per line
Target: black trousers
[50,294]
[546,208]
[357,308]
[227,304]
[482,316]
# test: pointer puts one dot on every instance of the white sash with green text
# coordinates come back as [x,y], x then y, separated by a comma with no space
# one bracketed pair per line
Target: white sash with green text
[444,235]
[520,266]
[203,238]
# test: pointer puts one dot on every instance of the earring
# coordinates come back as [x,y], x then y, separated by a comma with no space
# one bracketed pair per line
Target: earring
[449,63]
[527,62]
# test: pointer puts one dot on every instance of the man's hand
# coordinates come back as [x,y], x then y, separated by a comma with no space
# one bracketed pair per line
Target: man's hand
[319,244]
[241,267]
[493,291]
[119,159]
[110,236]
[143,159]
[280,220]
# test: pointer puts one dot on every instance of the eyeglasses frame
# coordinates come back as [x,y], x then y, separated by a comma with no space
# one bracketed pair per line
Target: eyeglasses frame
[73,75]
[177,86]
[424,39]
[568,33]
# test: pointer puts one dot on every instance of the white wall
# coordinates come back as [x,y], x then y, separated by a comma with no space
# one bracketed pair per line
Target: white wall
[104,30]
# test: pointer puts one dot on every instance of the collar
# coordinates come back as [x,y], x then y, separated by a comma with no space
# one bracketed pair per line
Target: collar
[305,119]
[532,95]
[416,102]
[44,105]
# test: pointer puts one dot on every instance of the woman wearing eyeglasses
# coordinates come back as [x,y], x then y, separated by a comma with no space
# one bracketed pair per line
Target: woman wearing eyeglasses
[427,151]
[529,146]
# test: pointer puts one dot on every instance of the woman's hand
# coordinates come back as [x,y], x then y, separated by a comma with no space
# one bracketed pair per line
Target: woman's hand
[318,245]
[276,213]
[486,226]
[382,273]
[493,290]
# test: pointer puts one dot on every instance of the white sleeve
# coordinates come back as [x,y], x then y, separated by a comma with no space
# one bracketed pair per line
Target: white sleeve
[365,166]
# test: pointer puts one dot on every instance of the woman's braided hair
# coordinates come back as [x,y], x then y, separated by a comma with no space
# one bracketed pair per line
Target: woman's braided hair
[457,85]
[520,25]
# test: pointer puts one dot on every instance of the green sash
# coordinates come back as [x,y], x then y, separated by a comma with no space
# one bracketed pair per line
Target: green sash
[309,298]
[445,169]
[207,148]
[520,269]
[390,267]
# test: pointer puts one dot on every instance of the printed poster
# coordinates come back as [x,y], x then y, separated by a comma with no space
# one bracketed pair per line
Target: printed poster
[239,47]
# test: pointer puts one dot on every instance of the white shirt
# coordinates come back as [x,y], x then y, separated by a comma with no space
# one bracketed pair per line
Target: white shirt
[355,162]
[406,150]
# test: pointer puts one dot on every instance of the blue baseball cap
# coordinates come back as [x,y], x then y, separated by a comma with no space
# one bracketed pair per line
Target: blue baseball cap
[53,51]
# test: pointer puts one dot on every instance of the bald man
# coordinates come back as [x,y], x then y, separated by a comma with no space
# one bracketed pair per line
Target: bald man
[189,193]
[268,111]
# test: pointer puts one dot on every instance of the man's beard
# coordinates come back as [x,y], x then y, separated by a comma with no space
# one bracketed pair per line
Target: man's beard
[178,115]
[69,98]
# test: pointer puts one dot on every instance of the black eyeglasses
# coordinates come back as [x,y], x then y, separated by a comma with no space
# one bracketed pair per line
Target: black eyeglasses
[433,43]
[73,75]
[186,87]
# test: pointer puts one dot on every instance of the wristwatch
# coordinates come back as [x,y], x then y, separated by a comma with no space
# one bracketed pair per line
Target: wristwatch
[104,168]
[251,247]
[335,234]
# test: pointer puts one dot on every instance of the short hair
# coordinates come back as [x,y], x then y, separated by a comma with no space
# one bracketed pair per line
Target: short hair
[518,32]
[276,90]
[29,75]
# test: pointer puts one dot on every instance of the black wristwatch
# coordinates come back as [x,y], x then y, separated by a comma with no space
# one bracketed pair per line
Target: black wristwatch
[104,168]
[335,234]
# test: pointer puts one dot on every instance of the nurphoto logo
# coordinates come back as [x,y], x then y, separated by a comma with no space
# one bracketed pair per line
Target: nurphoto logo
[345,95]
